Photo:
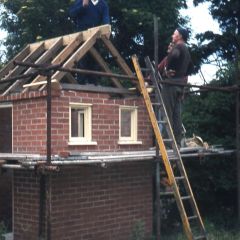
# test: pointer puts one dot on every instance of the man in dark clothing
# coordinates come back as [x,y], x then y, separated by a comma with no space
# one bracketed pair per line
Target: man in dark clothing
[89,13]
[177,65]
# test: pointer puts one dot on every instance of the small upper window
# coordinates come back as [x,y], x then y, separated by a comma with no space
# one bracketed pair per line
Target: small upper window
[80,124]
[128,125]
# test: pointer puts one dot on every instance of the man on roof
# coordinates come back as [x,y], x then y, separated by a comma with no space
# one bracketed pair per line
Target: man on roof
[89,13]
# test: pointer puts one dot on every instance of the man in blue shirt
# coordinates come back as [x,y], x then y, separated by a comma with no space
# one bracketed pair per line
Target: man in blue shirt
[89,13]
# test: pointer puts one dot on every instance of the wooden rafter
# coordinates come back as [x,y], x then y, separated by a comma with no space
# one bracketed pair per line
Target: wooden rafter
[121,62]
[64,51]
[104,66]
[78,54]
[62,56]
[41,60]
[11,65]
[18,69]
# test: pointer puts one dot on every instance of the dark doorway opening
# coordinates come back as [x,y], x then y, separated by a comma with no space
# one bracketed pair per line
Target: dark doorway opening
[5,129]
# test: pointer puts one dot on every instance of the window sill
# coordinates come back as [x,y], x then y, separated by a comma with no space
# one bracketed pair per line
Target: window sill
[82,143]
[129,142]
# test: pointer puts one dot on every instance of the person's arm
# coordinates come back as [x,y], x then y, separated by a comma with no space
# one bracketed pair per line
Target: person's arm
[175,53]
[105,16]
[77,8]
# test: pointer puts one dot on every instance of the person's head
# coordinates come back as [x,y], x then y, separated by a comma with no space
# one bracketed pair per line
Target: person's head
[180,34]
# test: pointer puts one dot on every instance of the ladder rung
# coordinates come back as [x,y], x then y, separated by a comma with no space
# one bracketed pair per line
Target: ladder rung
[180,178]
[192,217]
[185,197]
[162,122]
[167,140]
[157,104]
[199,237]
[174,159]
[166,193]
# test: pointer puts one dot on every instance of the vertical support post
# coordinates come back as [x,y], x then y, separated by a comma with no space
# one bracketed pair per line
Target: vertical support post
[157,167]
[238,148]
[42,197]
[49,112]
[49,145]
[237,77]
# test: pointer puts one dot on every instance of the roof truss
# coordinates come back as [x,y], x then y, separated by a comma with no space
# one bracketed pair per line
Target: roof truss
[64,50]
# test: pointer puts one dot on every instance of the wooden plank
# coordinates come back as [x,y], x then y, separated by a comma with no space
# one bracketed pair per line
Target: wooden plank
[62,56]
[54,84]
[30,58]
[104,30]
[39,83]
[122,64]
[46,56]
[18,69]
[71,79]
[5,70]
[104,66]
[67,39]
[77,55]
[68,50]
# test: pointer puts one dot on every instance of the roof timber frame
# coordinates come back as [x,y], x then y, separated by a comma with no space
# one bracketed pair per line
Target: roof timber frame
[66,51]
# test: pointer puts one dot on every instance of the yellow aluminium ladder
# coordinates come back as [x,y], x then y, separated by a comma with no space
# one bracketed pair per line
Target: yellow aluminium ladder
[189,213]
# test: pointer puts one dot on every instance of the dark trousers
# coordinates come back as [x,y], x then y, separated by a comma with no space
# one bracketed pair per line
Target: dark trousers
[172,97]
[87,63]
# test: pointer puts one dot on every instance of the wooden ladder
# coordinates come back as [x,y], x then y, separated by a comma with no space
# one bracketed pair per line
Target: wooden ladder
[177,176]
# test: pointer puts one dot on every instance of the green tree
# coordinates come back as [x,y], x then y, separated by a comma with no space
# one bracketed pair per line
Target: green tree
[29,21]
[211,114]
[227,13]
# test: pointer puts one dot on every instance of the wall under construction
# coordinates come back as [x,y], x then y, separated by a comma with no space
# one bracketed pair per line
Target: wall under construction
[88,202]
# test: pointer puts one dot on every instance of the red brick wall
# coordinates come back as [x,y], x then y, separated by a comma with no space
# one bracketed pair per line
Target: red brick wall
[6,198]
[29,126]
[25,205]
[88,202]
[29,123]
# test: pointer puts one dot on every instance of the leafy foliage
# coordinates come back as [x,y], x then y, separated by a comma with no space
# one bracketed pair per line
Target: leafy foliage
[227,13]
[28,21]
[212,115]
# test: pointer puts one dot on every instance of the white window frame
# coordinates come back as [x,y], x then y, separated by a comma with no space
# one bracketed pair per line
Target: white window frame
[133,139]
[87,138]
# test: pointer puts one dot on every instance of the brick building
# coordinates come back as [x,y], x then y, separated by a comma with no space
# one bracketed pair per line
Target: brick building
[98,184]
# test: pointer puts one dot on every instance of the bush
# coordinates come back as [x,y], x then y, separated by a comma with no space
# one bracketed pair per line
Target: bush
[3,230]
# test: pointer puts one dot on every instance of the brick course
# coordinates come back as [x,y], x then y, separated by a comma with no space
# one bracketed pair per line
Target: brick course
[88,202]
[6,198]
[29,123]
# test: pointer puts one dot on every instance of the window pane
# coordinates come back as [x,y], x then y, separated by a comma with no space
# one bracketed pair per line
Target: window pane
[74,122]
[81,123]
[125,123]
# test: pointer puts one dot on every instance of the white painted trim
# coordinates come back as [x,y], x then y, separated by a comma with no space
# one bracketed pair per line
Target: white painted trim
[87,140]
[81,143]
[129,142]
[134,125]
